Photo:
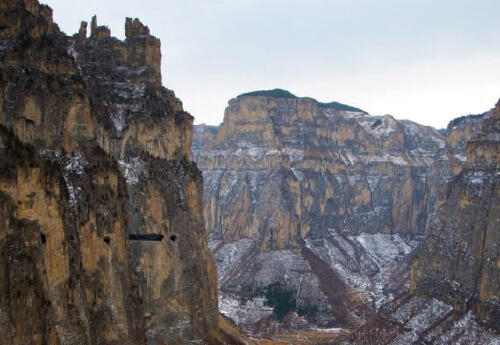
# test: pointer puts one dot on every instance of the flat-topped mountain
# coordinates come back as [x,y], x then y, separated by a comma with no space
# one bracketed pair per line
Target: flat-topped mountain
[321,201]
[280,93]
[298,141]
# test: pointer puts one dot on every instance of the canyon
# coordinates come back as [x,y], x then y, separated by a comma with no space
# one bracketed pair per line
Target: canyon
[301,222]
[320,215]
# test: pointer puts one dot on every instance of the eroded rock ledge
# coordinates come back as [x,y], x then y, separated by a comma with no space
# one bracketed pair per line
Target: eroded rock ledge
[92,150]
[324,205]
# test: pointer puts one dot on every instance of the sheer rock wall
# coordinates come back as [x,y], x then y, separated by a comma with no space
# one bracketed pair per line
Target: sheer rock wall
[95,158]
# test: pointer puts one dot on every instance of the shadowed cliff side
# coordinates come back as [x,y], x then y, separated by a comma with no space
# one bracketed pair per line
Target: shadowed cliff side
[460,261]
[102,238]
[454,283]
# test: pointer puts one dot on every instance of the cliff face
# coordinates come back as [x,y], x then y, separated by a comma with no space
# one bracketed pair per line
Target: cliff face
[150,135]
[453,297]
[322,199]
[460,261]
[461,130]
[102,238]
[316,209]
[305,142]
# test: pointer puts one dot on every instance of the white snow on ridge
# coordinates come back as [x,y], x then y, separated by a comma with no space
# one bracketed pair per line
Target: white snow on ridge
[132,170]
[462,158]
[246,313]
[118,121]
[378,126]
[352,114]
[384,126]
[464,331]
[74,165]
[383,247]
[232,254]
[294,154]
[299,175]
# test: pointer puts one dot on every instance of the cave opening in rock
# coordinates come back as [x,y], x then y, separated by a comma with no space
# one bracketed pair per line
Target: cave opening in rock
[173,238]
[43,239]
[146,237]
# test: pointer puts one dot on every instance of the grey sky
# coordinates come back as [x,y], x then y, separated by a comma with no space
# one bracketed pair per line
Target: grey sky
[424,60]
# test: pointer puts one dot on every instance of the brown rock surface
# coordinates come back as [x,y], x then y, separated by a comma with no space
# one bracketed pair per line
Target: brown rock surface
[324,200]
[102,238]
[301,140]
[460,261]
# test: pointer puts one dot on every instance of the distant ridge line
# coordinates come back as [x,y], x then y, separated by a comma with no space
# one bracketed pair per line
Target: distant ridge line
[280,93]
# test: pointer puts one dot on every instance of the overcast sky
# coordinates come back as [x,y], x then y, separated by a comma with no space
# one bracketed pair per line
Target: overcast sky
[424,60]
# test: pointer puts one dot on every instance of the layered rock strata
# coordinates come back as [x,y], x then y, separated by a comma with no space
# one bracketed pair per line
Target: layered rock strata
[454,283]
[102,238]
[460,260]
[322,199]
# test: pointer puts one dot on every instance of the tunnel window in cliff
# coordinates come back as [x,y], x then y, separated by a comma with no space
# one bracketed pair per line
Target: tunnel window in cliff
[146,237]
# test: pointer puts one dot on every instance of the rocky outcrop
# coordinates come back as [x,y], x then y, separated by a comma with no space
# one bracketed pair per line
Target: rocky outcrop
[149,135]
[461,130]
[320,198]
[66,276]
[303,142]
[102,238]
[203,137]
[453,296]
[415,320]
[460,261]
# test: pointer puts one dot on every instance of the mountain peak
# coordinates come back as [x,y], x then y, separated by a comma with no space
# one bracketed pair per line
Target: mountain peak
[276,93]
[280,93]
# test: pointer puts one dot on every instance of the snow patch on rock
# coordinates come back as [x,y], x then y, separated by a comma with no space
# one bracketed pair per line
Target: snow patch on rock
[382,247]
[73,165]
[299,175]
[232,254]
[133,170]
[244,312]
